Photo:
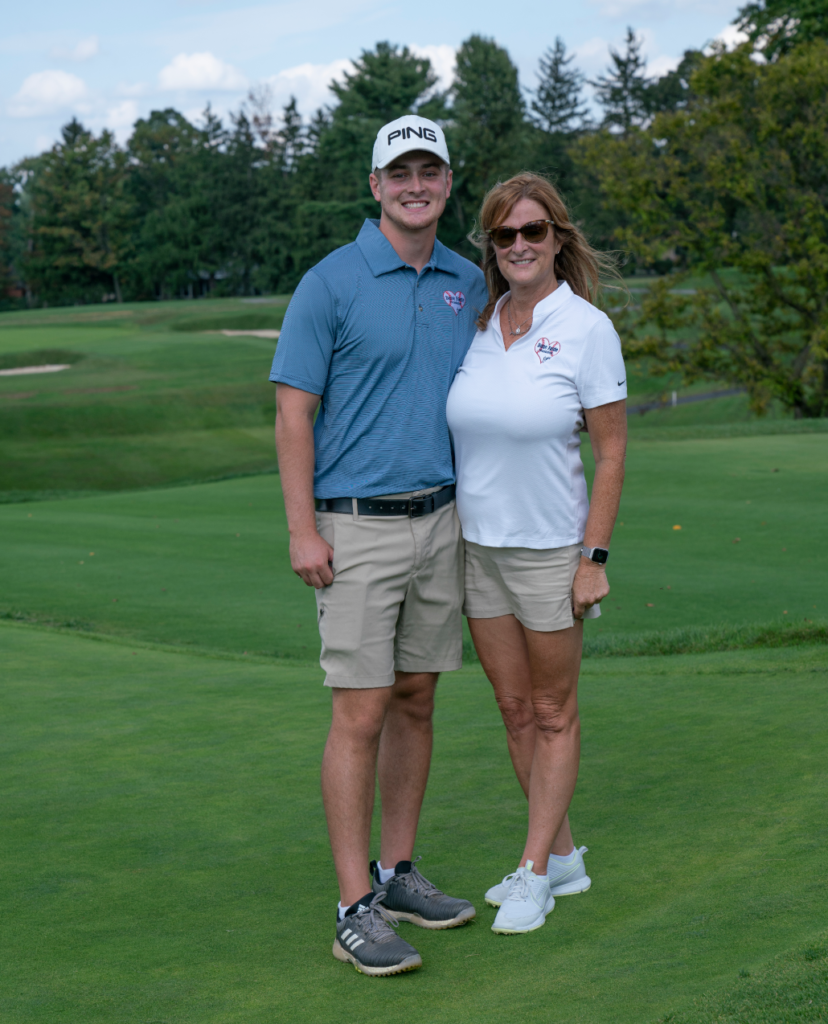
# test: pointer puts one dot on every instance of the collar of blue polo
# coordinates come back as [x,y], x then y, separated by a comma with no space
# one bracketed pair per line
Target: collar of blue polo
[381,257]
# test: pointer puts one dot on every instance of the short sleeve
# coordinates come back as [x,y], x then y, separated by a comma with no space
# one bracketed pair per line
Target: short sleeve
[306,342]
[601,377]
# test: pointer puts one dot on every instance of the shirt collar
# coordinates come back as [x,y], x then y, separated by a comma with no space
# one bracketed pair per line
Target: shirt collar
[546,306]
[382,258]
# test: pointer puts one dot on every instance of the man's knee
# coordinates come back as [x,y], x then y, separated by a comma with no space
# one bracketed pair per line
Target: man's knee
[360,712]
[413,694]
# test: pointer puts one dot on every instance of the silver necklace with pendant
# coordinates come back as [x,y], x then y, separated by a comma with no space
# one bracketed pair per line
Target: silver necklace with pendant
[515,331]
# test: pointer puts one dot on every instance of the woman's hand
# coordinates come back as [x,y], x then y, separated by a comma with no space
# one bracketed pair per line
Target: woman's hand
[589,587]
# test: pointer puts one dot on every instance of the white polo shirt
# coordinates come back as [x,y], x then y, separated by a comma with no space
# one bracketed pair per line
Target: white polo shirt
[515,418]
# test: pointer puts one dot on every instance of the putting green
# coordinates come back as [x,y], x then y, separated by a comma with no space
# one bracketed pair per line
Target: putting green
[164,854]
[208,565]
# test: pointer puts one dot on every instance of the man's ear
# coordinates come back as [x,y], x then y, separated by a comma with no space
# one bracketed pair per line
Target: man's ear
[373,180]
[449,180]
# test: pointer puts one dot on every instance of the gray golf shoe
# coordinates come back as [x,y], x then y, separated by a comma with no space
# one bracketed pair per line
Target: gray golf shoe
[365,937]
[410,897]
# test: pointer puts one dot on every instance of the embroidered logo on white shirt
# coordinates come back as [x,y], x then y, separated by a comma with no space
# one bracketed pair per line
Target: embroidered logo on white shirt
[545,349]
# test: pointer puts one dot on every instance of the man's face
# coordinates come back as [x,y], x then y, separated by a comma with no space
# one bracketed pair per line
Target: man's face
[413,190]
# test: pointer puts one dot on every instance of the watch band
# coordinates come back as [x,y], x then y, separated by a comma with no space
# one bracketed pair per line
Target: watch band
[597,555]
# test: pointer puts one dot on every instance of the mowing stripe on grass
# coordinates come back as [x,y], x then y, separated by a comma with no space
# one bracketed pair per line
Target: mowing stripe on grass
[164,855]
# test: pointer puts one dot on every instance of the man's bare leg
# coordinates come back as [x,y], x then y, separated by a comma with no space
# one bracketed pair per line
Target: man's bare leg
[349,768]
[404,761]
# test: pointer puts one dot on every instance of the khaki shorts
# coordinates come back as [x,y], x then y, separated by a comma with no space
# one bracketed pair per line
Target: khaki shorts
[395,602]
[533,585]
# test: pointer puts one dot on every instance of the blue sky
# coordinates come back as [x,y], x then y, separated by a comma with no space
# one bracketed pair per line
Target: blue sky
[111,63]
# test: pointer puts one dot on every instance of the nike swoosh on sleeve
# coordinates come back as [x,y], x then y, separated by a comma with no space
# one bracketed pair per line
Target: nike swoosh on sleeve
[620,382]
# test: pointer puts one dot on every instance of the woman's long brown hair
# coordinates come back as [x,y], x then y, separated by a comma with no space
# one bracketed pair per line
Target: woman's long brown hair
[581,266]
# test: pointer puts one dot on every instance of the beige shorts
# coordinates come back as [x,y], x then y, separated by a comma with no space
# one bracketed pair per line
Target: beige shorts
[533,585]
[396,598]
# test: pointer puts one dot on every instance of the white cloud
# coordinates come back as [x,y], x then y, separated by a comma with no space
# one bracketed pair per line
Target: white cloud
[120,118]
[49,92]
[443,61]
[122,115]
[309,83]
[592,56]
[84,50]
[731,37]
[135,89]
[200,71]
[661,65]
[650,9]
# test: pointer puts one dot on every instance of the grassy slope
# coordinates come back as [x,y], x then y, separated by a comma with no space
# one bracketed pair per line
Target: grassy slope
[791,989]
[154,399]
[180,573]
[164,854]
[142,785]
[150,402]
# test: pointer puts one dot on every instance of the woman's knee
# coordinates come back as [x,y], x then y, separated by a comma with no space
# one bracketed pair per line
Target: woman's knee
[555,714]
[517,713]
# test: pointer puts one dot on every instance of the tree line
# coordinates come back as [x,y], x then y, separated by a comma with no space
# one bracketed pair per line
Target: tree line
[714,175]
[246,205]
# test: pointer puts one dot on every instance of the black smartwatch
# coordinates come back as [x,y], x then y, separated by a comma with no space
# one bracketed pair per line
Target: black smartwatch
[598,555]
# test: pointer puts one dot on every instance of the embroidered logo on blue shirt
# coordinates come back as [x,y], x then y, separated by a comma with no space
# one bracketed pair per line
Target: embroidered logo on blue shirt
[545,349]
[456,300]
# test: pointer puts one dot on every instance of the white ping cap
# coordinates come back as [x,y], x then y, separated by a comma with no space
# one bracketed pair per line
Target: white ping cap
[405,135]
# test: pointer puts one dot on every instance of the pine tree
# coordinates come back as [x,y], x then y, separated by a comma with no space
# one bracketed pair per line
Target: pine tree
[556,105]
[331,177]
[487,136]
[81,217]
[622,91]
[164,154]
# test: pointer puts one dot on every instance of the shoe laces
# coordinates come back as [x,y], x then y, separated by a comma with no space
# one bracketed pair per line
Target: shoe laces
[414,880]
[376,919]
[522,886]
[519,888]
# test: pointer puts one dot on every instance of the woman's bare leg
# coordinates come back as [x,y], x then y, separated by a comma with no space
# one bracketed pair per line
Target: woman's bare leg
[504,653]
[555,661]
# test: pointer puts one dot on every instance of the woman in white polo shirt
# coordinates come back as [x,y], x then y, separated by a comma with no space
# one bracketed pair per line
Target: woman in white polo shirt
[544,366]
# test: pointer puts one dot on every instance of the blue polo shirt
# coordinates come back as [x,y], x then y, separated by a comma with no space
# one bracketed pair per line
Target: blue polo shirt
[381,345]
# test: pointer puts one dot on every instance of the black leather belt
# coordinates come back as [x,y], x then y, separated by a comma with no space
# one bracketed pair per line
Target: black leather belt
[411,507]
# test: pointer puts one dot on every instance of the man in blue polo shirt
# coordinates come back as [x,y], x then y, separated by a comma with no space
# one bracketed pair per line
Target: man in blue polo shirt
[373,338]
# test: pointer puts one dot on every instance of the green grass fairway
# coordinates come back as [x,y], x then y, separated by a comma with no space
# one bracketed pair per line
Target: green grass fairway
[208,565]
[164,854]
[155,394]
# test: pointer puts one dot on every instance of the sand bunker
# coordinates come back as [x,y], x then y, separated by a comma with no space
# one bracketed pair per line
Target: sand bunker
[20,371]
[268,333]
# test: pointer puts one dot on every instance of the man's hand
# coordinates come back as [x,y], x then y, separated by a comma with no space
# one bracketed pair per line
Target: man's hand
[311,558]
[589,587]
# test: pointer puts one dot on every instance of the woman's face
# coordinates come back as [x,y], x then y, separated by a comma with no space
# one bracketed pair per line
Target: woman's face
[524,265]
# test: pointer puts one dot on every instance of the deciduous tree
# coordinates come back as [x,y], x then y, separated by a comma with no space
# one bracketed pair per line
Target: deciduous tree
[735,187]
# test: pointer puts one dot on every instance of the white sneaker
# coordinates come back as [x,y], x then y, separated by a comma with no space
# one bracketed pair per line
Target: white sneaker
[527,903]
[564,879]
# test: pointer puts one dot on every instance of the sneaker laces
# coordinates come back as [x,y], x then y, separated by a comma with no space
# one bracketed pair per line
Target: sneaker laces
[415,881]
[519,888]
[377,918]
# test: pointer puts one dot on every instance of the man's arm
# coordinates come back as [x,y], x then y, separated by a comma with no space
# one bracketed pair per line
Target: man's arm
[310,555]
